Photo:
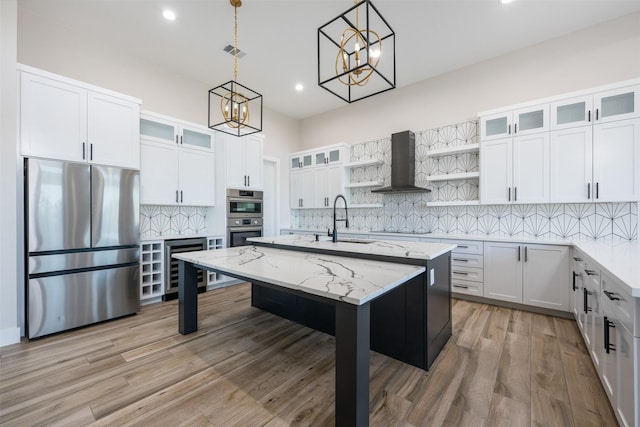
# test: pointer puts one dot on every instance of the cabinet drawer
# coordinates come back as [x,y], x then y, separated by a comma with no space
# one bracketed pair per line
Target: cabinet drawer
[467,273]
[466,246]
[621,300]
[467,287]
[466,260]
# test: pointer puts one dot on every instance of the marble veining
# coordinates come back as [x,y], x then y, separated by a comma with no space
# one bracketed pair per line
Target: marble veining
[388,248]
[352,280]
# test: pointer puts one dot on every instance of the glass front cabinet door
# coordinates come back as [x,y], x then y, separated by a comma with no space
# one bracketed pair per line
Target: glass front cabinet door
[523,121]
[571,112]
[617,104]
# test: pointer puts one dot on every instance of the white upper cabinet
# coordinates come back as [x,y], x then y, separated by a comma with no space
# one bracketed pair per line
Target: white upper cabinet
[598,107]
[617,104]
[244,162]
[64,119]
[158,128]
[515,170]
[114,131]
[324,180]
[523,121]
[177,162]
[571,165]
[616,161]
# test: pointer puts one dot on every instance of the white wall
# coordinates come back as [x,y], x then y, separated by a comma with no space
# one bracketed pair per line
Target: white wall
[595,56]
[10,280]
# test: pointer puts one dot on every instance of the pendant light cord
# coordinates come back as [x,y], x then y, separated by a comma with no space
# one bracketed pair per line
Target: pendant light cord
[235,44]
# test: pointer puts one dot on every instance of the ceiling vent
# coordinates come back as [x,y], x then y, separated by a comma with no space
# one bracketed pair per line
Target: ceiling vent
[229,49]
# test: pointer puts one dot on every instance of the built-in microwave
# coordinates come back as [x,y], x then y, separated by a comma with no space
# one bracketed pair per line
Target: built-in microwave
[244,204]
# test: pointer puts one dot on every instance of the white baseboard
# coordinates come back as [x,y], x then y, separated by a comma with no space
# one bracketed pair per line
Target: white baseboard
[9,336]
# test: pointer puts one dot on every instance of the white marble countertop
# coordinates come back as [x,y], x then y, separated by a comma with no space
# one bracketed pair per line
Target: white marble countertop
[620,258]
[449,236]
[389,248]
[352,280]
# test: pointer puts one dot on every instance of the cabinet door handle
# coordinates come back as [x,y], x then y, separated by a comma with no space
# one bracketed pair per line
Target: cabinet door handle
[597,113]
[574,281]
[180,196]
[525,253]
[519,249]
[588,190]
[176,196]
[460,286]
[248,180]
[611,295]
[589,115]
[585,293]
[509,194]
[607,336]
[509,130]
[515,194]
[597,190]
[515,128]
[176,139]
[181,140]
[90,151]
[83,151]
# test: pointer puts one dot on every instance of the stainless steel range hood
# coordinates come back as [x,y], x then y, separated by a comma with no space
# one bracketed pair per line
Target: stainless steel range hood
[403,165]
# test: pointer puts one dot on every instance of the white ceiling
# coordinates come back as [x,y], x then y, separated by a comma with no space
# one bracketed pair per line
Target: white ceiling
[280,36]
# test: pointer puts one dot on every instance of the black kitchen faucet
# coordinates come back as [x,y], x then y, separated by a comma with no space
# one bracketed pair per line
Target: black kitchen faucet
[345,219]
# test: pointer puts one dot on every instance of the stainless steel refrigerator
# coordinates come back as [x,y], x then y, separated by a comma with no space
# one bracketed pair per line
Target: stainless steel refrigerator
[82,244]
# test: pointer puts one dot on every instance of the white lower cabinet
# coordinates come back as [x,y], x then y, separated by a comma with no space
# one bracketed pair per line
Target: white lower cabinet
[529,274]
[467,267]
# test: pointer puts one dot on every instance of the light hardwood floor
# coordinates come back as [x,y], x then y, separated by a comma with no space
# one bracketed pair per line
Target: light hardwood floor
[245,367]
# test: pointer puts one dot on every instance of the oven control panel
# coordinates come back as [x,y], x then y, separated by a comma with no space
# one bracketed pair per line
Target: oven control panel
[244,222]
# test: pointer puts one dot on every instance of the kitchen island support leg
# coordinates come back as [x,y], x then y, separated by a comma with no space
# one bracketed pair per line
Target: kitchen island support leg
[187,298]
[352,364]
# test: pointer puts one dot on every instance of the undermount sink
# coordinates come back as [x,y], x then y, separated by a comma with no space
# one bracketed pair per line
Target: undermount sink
[355,241]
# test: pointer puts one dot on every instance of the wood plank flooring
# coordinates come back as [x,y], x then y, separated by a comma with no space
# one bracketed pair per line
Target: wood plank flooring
[245,367]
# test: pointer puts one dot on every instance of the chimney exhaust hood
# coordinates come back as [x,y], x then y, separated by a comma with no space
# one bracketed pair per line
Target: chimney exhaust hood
[403,165]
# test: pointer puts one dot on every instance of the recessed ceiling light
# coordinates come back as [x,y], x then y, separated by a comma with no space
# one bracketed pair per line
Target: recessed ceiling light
[505,1]
[169,15]
[299,87]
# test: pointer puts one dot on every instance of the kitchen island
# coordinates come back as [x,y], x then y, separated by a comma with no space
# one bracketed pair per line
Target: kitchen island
[347,288]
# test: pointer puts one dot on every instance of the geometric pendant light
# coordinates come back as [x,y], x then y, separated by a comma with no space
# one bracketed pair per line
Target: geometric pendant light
[357,53]
[233,108]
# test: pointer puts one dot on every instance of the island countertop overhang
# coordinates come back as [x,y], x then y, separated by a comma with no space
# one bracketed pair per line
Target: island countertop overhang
[351,280]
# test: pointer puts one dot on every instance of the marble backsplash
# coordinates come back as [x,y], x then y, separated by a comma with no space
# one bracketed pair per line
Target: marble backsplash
[159,221]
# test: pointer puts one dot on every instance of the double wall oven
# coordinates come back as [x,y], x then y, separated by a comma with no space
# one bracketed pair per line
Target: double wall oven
[244,216]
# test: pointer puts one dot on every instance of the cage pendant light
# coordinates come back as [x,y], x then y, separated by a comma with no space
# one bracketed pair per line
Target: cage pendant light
[351,62]
[234,108]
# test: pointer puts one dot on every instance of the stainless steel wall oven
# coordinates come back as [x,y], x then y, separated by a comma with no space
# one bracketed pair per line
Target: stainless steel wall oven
[244,216]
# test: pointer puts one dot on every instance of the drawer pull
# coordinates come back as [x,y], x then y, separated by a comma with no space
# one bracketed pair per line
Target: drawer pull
[611,295]
[463,246]
[591,272]
[460,286]
[460,272]
[577,259]
[607,337]
[461,259]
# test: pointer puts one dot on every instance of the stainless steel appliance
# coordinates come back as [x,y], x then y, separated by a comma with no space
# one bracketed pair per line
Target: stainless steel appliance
[175,246]
[82,244]
[244,204]
[244,216]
